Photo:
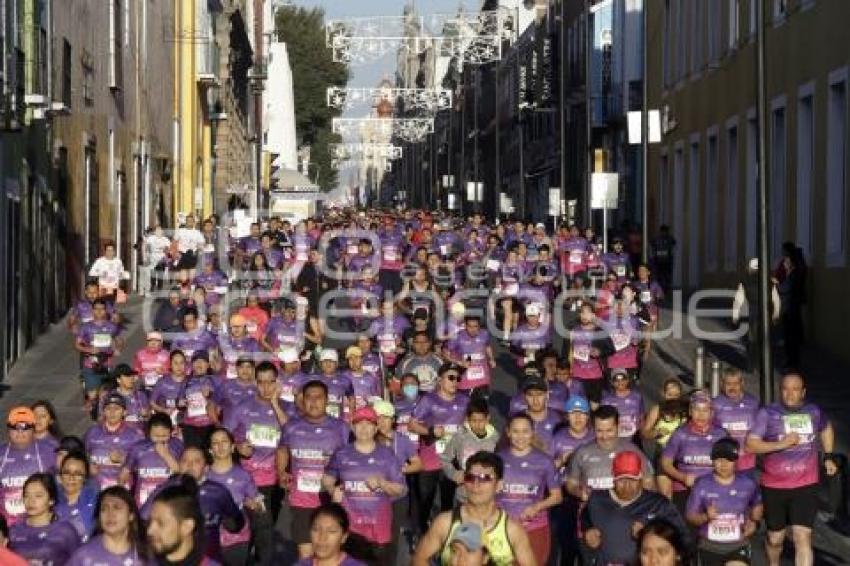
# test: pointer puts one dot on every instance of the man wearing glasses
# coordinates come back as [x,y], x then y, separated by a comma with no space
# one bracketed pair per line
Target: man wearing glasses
[20,457]
[437,416]
[505,540]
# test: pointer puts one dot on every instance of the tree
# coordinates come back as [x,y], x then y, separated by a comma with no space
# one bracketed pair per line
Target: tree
[313,71]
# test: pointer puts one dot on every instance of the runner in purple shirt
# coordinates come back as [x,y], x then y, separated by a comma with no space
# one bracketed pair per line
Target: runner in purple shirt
[152,461]
[404,404]
[20,457]
[236,547]
[235,346]
[231,392]
[629,404]
[98,341]
[544,418]
[735,411]
[573,434]
[340,390]
[119,538]
[38,537]
[193,339]
[531,337]
[305,448]
[471,350]
[530,485]
[109,442]
[284,331]
[366,385]
[365,477]
[585,353]
[168,395]
[388,330]
[726,507]
[687,455]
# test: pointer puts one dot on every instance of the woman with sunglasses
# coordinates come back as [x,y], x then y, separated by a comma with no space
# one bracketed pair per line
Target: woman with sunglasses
[47,429]
[530,484]
[42,538]
[438,415]
[118,536]
[76,493]
[20,457]
[225,469]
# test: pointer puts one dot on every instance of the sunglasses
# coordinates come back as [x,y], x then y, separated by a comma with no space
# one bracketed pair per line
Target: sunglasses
[20,426]
[477,478]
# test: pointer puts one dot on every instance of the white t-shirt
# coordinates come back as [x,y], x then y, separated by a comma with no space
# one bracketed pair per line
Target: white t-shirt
[108,271]
[156,248]
[189,239]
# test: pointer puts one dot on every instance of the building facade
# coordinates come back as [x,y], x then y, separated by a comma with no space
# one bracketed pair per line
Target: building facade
[702,75]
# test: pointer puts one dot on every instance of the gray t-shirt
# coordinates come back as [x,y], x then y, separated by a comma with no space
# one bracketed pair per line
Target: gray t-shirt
[590,465]
[426,368]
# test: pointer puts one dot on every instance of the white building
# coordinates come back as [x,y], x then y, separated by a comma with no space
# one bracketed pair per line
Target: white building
[279,109]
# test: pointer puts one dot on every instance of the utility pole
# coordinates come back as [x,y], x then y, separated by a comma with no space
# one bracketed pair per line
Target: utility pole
[766,358]
[588,46]
[562,98]
[644,141]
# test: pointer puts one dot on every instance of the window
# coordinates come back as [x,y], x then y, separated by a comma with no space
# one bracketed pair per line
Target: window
[681,37]
[753,18]
[664,200]
[714,17]
[678,209]
[115,44]
[66,73]
[752,179]
[734,24]
[836,169]
[711,201]
[777,161]
[730,225]
[665,47]
[696,212]
[40,86]
[780,10]
[805,161]
[696,35]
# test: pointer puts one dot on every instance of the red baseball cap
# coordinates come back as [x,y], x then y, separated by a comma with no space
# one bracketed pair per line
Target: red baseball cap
[627,465]
[365,414]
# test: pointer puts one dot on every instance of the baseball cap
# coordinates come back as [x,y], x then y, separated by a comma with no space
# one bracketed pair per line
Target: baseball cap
[726,449]
[123,369]
[365,414]
[70,444]
[329,354]
[627,464]
[532,310]
[540,225]
[115,399]
[288,355]
[617,372]
[700,398]
[536,382]
[577,403]
[383,408]
[154,335]
[469,535]
[21,415]
[353,351]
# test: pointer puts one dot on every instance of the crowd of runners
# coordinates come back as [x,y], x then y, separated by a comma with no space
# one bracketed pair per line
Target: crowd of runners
[328,385]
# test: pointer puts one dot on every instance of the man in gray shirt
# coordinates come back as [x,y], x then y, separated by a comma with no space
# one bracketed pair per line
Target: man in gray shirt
[422,362]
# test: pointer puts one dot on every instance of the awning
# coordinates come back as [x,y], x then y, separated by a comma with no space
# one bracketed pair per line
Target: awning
[291,179]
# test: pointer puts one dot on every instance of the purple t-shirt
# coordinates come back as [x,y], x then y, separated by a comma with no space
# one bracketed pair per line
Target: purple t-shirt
[148,469]
[339,389]
[403,411]
[168,391]
[530,341]
[241,486]
[796,466]
[16,465]
[289,386]
[365,386]
[231,392]
[52,544]
[629,408]
[624,337]
[100,443]
[526,481]
[737,418]
[255,421]
[100,335]
[234,348]
[310,448]
[733,503]
[196,341]
[347,561]
[370,511]
[281,333]
[584,366]
[197,393]
[564,444]
[691,451]
[544,429]
[433,411]
[94,553]
[472,350]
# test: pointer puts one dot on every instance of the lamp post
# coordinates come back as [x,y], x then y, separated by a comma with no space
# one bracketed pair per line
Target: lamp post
[644,142]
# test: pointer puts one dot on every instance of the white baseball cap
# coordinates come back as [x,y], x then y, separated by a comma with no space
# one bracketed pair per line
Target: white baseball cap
[288,355]
[329,354]
[532,310]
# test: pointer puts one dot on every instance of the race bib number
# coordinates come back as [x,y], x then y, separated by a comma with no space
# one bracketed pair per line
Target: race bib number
[287,393]
[386,343]
[390,254]
[196,404]
[309,481]
[511,289]
[13,503]
[251,327]
[301,255]
[645,297]
[263,436]
[151,378]
[742,426]
[621,340]
[444,249]
[620,270]
[222,290]
[332,410]
[352,249]
[576,257]
[801,423]
[627,426]
[725,528]
[448,431]
[493,264]
[476,373]
[581,353]
[231,371]
[101,340]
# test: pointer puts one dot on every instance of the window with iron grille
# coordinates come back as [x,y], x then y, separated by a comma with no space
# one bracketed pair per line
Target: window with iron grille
[66,73]
[115,44]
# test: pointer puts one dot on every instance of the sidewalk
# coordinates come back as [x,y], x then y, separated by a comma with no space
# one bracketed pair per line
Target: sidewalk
[50,370]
